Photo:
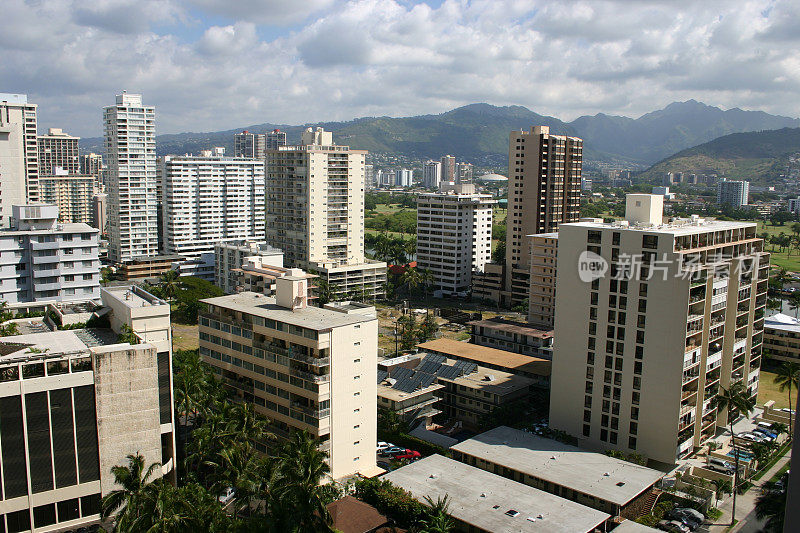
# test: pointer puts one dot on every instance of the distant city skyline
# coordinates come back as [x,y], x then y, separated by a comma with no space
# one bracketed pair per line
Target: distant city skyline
[209,65]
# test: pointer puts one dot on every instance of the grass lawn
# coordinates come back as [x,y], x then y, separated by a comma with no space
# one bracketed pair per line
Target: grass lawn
[389,233]
[185,337]
[389,209]
[767,390]
[782,259]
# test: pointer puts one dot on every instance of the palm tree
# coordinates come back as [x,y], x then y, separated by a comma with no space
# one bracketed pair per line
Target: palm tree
[412,279]
[130,500]
[426,278]
[436,518]
[788,376]
[722,486]
[303,466]
[771,505]
[734,399]
[169,284]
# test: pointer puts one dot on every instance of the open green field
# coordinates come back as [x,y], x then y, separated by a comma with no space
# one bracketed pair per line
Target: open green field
[388,209]
[790,262]
[768,390]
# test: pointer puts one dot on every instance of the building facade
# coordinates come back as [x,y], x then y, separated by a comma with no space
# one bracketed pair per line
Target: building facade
[71,409]
[274,139]
[19,160]
[73,194]
[677,314]
[45,261]
[512,336]
[403,177]
[544,191]
[209,199]
[782,338]
[130,144]
[432,174]
[230,256]
[315,212]
[733,193]
[448,168]
[542,281]
[249,145]
[58,153]
[305,368]
[454,237]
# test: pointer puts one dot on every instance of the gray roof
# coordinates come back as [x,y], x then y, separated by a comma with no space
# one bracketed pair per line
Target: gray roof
[782,322]
[473,493]
[309,317]
[591,473]
[629,526]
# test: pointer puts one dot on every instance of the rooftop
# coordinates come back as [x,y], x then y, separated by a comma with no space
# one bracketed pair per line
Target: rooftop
[484,500]
[54,343]
[308,317]
[514,327]
[351,515]
[629,526]
[591,473]
[677,227]
[133,296]
[514,362]
[782,322]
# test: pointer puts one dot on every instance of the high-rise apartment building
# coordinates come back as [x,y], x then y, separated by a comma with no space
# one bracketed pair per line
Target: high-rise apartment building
[230,256]
[652,318]
[92,165]
[19,160]
[304,368]
[211,198]
[274,139]
[130,143]
[73,194]
[100,212]
[76,404]
[454,236]
[44,261]
[403,177]
[733,193]
[315,212]
[58,153]
[544,190]
[432,174]
[542,296]
[448,168]
[251,145]
[464,173]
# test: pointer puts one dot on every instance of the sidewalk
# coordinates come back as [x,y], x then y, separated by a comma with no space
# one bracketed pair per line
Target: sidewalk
[745,504]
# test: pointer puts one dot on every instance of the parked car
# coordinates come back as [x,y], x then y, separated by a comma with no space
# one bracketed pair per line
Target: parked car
[691,517]
[718,465]
[410,454]
[389,452]
[383,445]
[226,497]
[767,433]
[765,425]
[400,452]
[752,437]
[673,526]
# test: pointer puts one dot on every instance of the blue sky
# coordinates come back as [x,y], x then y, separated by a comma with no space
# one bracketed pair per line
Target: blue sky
[212,64]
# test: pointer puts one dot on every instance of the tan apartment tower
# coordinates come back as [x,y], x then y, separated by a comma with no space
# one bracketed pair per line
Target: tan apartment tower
[544,184]
[305,368]
[19,161]
[652,318]
[315,212]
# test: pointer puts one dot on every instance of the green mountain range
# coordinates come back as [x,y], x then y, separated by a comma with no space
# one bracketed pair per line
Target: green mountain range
[758,156]
[479,132]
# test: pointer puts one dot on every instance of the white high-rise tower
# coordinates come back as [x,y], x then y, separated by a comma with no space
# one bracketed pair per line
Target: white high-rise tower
[131,153]
[19,161]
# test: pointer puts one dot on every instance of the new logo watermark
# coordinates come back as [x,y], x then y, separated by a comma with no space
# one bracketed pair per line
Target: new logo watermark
[591,266]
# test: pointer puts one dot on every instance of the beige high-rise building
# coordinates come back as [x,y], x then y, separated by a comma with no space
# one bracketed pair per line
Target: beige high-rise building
[130,141]
[315,212]
[454,236]
[58,153]
[19,158]
[542,295]
[544,190]
[73,194]
[652,318]
[305,368]
[448,171]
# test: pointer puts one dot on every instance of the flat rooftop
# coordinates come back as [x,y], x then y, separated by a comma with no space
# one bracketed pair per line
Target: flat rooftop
[309,317]
[133,296]
[486,355]
[591,473]
[514,327]
[782,322]
[677,227]
[55,342]
[474,493]
[629,526]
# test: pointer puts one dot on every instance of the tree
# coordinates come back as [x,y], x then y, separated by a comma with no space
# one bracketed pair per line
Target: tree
[412,279]
[722,486]
[734,399]
[126,334]
[409,335]
[324,292]
[428,328]
[426,279]
[130,500]
[771,505]
[786,377]
[780,218]
[435,516]
[499,253]
[169,284]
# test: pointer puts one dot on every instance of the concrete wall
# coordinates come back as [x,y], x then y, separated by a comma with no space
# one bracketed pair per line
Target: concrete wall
[126,389]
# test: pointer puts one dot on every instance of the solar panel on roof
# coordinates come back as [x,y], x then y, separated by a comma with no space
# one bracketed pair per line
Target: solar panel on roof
[382,374]
[429,367]
[435,358]
[469,368]
[401,372]
[400,383]
[428,381]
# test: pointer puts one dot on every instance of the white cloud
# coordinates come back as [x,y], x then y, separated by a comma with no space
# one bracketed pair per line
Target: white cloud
[381,57]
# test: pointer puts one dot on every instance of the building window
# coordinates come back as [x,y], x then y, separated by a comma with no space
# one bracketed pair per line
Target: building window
[643,289]
[613,439]
[604,435]
[632,443]
[590,358]
[650,242]
[586,430]
[634,413]
[634,428]
[587,416]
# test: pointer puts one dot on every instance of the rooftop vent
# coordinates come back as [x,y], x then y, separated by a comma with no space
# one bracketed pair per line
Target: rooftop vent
[621,484]
[512,513]
[606,474]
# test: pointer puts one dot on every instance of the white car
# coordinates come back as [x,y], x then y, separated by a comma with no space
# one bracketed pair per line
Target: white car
[226,497]
[384,445]
[752,437]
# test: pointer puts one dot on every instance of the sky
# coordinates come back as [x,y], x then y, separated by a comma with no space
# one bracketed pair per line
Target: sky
[210,65]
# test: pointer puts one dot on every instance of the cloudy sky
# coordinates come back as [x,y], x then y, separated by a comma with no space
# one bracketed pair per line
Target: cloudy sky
[217,64]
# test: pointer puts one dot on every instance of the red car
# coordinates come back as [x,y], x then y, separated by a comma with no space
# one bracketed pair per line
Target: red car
[410,454]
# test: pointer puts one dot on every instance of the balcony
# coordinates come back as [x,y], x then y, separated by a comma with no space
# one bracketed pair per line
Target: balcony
[308,376]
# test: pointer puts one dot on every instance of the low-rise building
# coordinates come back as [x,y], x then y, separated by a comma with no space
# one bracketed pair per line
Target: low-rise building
[305,368]
[484,502]
[782,338]
[537,369]
[593,479]
[487,284]
[73,405]
[513,337]
[42,260]
[147,267]
[230,256]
